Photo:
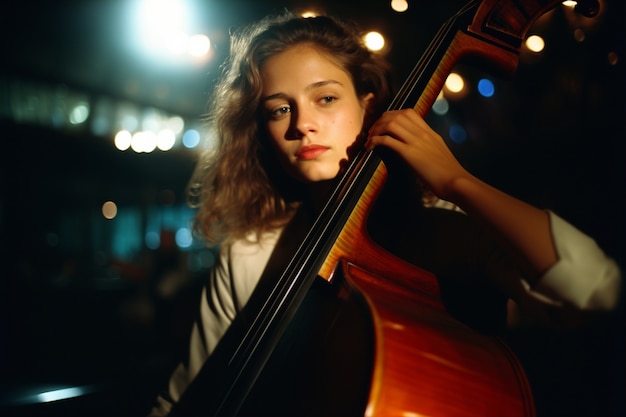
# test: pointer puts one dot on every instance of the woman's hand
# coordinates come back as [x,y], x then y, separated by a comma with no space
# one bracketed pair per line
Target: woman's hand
[406,133]
[524,228]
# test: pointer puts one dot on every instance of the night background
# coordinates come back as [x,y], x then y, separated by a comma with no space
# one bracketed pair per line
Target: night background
[99,272]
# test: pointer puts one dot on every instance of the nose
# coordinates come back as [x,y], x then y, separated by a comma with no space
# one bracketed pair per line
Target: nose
[303,122]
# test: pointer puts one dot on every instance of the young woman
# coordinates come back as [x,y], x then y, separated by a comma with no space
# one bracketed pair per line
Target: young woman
[296,98]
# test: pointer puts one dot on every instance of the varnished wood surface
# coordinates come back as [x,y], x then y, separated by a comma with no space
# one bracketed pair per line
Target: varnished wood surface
[429,364]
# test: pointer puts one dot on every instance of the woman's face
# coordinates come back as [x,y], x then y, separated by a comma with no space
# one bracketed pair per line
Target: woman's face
[311,111]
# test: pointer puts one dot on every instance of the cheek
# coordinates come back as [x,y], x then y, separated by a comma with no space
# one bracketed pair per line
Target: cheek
[279,146]
[353,125]
[275,135]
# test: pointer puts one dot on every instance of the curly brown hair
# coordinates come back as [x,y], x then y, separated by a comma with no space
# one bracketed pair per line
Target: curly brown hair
[238,185]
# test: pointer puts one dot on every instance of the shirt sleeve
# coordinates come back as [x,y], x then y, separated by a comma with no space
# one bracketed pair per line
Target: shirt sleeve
[231,283]
[584,276]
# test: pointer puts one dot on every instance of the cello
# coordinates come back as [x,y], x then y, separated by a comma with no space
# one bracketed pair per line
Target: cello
[343,327]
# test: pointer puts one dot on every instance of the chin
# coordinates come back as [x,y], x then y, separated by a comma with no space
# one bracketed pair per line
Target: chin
[318,176]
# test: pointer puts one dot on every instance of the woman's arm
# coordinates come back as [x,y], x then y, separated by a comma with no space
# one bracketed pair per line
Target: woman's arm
[526,230]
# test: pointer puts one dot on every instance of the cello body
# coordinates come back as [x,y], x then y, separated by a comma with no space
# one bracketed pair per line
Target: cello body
[340,326]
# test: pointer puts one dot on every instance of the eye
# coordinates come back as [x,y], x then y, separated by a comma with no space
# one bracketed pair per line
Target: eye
[328,99]
[279,112]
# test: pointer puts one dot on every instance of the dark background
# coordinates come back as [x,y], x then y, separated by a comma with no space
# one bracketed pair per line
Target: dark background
[74,315]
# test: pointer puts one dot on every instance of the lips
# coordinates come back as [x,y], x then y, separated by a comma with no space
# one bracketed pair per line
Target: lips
[308,152]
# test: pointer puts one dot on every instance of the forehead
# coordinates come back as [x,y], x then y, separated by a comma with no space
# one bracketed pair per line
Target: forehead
[302,61]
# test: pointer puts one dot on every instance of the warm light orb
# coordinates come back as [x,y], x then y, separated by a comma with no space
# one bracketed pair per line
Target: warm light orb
[165,140]
[579,35]
[454,83]
[535,43]
[123,139]
[199,45]
[144,141]
[399,5]
[374,41]
[109,210]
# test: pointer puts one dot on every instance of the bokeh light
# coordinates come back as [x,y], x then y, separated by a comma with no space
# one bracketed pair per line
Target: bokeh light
[458,134]
[191,138]
[374,41]
[109,210]
[163,29]
[184,238]
[165,140]
[441,105]
[535,43]
[152,240]
[123,139]
[454,83]
[79,113]
[486,87]
[144,141]
[399,5]
[199,45]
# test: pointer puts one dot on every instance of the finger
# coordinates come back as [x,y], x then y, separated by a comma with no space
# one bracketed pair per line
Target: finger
[389,142]
[401,124]
[394,127]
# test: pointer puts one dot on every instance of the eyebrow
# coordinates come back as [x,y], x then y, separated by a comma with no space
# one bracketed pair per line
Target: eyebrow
[309,87]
